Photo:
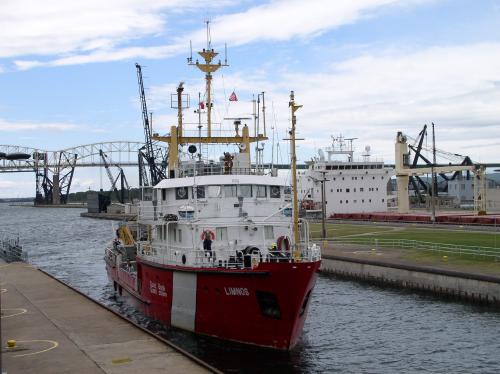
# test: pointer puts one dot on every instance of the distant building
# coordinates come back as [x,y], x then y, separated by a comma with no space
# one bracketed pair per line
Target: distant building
[462,188]
[351,186]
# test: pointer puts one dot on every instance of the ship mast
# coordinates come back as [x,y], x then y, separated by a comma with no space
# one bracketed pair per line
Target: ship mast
[294,107]
[208,68]
[177,136]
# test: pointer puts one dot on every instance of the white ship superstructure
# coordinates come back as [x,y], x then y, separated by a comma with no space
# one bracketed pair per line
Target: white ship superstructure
[351,186]
[218,247]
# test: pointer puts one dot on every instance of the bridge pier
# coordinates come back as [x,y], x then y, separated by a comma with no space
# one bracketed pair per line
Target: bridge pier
[56,190]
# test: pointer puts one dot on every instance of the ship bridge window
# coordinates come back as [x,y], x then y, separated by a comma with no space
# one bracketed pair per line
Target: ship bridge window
[275,192]
[268,304]
[181,193]
[230,191]
[214,191]
[199,191]
[335,167]
[268,232]
[221,234]
[245,190]
[328,167]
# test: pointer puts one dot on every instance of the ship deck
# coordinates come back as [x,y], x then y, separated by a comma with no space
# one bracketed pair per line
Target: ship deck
[59,330]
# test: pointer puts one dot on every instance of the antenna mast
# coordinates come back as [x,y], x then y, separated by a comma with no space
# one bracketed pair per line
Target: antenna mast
[208,68]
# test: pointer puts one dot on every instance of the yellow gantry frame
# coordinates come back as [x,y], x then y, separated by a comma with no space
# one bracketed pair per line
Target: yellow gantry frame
[174,140]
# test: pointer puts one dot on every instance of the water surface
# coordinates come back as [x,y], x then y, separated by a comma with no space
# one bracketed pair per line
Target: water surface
[351,327]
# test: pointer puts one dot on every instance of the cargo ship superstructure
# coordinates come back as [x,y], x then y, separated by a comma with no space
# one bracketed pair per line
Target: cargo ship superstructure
[349,185]
[218,248]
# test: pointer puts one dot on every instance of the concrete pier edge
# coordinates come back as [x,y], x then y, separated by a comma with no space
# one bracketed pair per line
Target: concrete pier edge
[403,276]
[163,340]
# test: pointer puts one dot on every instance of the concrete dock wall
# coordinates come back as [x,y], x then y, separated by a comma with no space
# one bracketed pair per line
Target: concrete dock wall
[58,329]
[466,286]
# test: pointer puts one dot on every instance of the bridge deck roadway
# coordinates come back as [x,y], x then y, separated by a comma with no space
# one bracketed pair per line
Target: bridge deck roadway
[60,331]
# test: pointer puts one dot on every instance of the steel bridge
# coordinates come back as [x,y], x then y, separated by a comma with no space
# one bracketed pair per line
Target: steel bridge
[54,169]
[123,153]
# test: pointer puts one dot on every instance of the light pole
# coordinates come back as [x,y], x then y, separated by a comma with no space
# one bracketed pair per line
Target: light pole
[323,203]
[434,179]
[323,206]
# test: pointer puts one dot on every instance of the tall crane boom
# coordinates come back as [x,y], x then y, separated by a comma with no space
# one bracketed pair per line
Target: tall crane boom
[156,173]
[123,181]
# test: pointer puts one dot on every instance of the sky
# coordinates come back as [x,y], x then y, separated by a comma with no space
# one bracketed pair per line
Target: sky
[361,68]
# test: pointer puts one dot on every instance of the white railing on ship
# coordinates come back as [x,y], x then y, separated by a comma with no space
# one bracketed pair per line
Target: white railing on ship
[151,212]
[195,255]
[229,259]
[216,169]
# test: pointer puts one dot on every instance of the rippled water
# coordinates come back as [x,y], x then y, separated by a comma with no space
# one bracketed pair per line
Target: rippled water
[351,327]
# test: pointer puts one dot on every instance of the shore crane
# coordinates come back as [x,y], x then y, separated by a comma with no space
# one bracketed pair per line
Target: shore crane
[120,195]
[147,155]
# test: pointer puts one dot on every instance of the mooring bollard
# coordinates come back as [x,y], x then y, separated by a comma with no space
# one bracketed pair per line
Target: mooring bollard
[11,343]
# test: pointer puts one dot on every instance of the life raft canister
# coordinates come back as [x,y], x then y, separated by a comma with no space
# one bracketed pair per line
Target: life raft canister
[210,232]
[283,244]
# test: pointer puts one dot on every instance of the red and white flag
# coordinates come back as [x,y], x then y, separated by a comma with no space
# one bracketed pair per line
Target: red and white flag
[233,97]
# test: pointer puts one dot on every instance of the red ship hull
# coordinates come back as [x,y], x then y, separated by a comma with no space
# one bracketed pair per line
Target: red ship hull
[264,306]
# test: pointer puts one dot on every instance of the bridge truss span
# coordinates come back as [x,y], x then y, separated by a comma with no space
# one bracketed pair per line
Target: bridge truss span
[54,169]
[123,153]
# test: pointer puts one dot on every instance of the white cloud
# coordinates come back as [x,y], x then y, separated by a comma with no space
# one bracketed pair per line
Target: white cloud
[55,27]
[7,184]
[29,126]
[285,20]
[375,95]
[19,187]
[115,24]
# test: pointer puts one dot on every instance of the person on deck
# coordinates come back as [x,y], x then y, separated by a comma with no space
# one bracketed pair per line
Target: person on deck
[207,241]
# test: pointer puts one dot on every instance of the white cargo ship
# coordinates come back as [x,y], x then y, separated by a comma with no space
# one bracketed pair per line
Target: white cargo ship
[350,185]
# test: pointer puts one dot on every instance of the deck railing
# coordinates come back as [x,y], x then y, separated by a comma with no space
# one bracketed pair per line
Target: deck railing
[489,253]
[228,258]
[230,253]
[11,250]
